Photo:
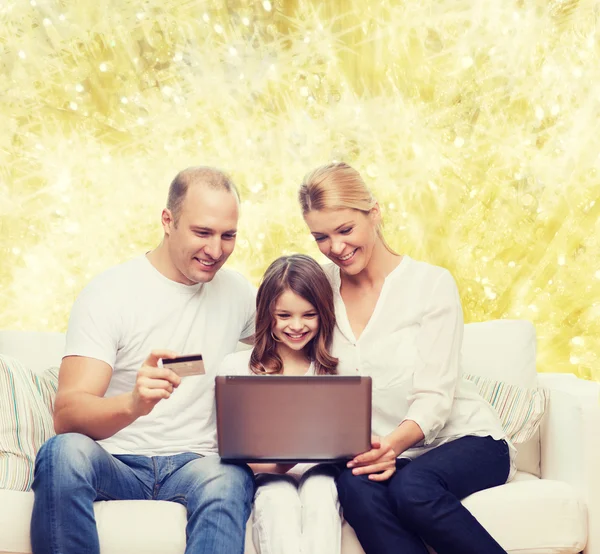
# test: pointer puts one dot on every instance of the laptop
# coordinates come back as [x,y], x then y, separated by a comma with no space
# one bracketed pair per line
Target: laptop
[277,418]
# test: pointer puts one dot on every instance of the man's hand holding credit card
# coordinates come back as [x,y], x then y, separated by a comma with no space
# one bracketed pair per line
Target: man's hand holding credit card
[184,366]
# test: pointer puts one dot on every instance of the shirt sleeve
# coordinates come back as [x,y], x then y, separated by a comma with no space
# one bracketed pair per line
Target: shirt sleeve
[439,344]
[235,364]
[226,366]
[94,327]
[250,311]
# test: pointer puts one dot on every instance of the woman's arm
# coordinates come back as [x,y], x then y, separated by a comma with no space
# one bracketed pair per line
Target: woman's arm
[439,343]
[437,370]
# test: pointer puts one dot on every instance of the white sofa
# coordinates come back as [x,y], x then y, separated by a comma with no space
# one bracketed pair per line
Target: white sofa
[551,507]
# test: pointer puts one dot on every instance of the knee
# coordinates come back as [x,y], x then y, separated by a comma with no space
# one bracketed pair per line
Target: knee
[318,493]
[351,487]
[227,482]
[278,498]
[357,495]
[62,459]
[415,496]
[69,449]
[238,480]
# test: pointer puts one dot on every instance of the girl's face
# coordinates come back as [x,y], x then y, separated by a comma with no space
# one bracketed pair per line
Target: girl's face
[347,237]
[295,321]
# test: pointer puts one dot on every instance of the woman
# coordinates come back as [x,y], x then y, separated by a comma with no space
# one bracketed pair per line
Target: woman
[400,322]
[296,507]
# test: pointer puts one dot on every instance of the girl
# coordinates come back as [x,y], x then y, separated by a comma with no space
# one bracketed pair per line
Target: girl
[296,508]
[400,321]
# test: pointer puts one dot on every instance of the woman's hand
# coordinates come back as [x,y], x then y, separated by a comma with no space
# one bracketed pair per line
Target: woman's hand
[379,462]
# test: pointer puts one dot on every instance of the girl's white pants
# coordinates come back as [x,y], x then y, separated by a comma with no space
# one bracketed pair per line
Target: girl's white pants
[297,517]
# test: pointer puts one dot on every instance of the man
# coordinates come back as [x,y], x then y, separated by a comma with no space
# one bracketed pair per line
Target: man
[129,429]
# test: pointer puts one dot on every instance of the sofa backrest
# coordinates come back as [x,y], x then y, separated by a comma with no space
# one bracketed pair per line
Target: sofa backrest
[504,350]
[35,350]
[500,349]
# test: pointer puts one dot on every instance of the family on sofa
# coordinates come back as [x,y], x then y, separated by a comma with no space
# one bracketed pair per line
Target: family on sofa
[130,429]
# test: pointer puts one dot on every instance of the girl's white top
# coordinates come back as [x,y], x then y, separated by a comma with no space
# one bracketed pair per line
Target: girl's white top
[238,363]
[411,349]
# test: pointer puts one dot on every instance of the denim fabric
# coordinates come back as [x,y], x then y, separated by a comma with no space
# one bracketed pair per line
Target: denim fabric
[72,471]
[421,501]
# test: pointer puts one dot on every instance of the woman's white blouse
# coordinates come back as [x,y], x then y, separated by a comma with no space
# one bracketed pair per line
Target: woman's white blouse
[411,349]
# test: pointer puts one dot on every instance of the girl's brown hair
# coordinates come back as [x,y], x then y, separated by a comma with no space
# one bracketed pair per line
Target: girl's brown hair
[305,277]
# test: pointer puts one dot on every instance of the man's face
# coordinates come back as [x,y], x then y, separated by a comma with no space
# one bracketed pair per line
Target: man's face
[204,236]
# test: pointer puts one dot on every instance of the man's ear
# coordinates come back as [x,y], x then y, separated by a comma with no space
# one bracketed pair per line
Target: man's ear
[167,220]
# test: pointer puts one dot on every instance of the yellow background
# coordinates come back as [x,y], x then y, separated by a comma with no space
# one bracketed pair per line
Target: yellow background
[474,122]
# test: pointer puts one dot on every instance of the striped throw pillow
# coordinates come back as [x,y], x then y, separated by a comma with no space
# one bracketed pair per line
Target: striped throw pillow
[26,401]
[520,409]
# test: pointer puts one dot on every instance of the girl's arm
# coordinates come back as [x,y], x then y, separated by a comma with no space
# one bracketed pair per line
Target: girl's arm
[279,469]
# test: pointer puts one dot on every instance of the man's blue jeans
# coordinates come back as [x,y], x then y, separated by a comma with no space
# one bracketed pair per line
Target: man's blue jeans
[72,471]
[421,501]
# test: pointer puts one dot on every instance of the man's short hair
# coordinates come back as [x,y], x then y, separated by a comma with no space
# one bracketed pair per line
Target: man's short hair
[201,175]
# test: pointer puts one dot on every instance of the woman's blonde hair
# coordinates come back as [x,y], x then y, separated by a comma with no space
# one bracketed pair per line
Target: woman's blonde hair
[337,186]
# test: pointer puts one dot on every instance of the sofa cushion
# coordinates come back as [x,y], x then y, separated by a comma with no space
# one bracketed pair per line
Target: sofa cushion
[527,516]
[532,516]
[15,517]
[505,350]
[153,527]
[26,400]
[528,458]
[520,409]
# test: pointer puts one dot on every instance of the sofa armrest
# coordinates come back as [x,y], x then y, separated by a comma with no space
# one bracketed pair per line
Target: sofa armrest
[570,442]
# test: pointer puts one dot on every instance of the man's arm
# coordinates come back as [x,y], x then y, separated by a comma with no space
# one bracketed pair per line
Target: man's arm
[80,406]
[249,301]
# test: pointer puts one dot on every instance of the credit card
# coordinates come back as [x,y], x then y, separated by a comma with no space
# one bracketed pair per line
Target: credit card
[184,366]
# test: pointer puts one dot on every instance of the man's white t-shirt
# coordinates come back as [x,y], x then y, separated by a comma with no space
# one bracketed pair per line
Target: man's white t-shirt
[131,309]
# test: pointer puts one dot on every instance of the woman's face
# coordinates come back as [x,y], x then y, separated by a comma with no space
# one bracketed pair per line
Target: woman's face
[295,321]
[347,237]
